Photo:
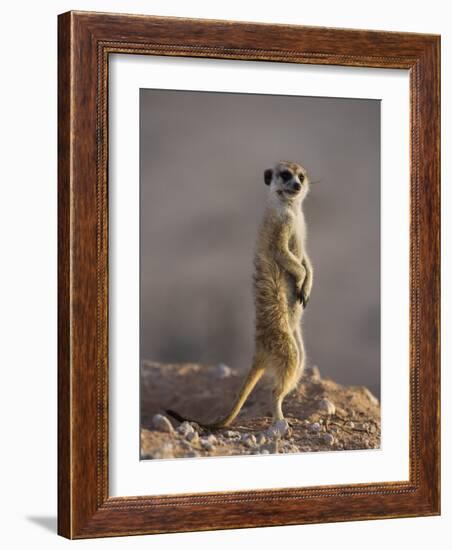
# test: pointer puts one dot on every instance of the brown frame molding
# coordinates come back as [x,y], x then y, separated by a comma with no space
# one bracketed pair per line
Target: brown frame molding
[85,41]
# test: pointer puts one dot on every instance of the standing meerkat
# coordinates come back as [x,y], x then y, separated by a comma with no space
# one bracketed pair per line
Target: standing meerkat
[282,279]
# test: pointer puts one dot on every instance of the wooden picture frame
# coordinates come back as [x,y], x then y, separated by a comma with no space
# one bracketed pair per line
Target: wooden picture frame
[85,42]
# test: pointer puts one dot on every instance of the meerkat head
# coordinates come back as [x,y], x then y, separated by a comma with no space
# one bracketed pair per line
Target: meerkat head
[288,181]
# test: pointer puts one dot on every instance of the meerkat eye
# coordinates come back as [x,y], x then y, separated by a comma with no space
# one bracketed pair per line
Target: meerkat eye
[286,175]
[301,177]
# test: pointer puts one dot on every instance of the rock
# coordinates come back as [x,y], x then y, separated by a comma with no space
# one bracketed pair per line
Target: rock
[326,406]
[261,439]
[314,427]
[312,373]
[371,397]
[193,437]
[231,434]
[278,429]
[265,452]
[185,428]
[223,371]
[161,423]
[208,443]
[249,440]
[328,439]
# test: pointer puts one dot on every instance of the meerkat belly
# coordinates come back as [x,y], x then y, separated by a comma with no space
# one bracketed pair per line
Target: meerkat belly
[275,296]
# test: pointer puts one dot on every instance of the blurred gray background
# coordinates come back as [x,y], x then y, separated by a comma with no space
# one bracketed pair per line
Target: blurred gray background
[203,155]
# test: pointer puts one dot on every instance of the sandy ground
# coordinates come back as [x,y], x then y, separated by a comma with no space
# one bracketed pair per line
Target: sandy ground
[321,414]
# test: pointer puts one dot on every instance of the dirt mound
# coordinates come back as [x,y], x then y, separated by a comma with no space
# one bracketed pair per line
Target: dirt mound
[321,414]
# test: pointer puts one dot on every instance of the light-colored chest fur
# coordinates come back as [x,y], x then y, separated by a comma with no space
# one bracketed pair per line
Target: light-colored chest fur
[298,234]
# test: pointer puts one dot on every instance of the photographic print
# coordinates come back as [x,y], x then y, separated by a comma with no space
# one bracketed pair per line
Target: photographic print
[244,274]
[259,274]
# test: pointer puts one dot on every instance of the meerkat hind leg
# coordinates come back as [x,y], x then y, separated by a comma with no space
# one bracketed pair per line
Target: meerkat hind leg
[287,374]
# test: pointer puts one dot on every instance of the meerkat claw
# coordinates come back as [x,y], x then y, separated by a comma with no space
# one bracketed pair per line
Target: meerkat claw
[304,299]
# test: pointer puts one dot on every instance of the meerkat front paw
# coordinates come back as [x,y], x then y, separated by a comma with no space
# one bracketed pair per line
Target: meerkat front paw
[305,291]
[302,293]
[303,297]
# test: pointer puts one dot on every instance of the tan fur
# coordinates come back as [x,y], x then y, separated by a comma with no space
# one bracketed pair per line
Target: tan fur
[282,286]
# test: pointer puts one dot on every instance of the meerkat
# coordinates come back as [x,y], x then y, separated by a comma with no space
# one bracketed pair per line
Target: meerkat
[282,283]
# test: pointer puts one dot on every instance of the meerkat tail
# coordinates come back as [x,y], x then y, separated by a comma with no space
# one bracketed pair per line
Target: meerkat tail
[251,380]
[178,416]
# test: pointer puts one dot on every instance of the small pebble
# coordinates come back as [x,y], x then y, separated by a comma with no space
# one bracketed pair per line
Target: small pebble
[206,443]
[193,437]
[265,452]
[231,434]
[315,427]
[326,406]
[249,440]
[261,439]
[223,371]
[328,439]
[161,423]
[185,428]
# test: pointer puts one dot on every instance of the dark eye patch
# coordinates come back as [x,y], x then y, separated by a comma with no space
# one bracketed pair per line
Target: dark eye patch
[301,177]
[286,175]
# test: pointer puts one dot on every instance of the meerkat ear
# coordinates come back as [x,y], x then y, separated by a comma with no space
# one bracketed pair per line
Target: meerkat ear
[268,175]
